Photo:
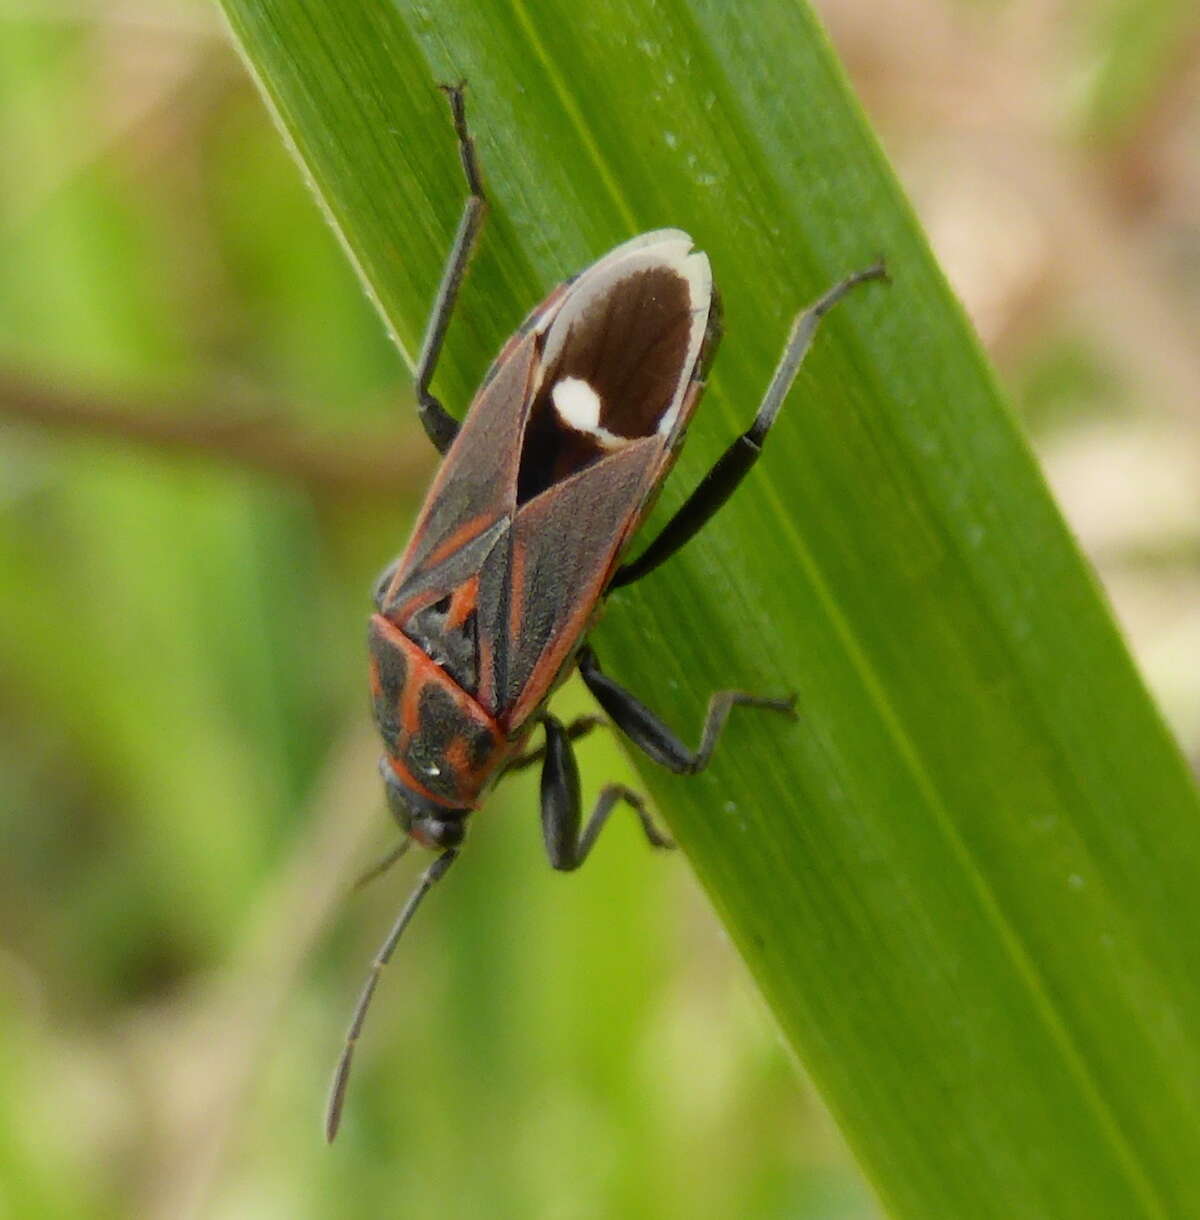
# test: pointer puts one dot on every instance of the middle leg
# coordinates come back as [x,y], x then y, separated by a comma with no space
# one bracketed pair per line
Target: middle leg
[562,806]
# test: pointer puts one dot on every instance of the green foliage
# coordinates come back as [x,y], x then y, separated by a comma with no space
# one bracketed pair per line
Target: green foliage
[959,879]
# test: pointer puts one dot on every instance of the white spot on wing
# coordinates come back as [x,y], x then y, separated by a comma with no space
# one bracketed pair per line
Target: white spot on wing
[670,248]
[578,405]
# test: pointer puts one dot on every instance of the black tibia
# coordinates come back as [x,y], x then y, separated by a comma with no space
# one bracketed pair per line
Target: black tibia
[651,735]
[581,726]
[735,463]
[562,809]
[440,425]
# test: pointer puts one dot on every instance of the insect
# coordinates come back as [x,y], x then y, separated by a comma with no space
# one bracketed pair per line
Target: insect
[522,535]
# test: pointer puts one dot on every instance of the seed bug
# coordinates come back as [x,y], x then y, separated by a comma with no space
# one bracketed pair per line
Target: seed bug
[521,536]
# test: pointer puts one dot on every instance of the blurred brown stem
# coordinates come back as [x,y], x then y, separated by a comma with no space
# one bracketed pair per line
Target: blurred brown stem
[264,441]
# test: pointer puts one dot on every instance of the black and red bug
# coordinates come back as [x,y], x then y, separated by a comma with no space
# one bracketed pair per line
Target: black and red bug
[522,534]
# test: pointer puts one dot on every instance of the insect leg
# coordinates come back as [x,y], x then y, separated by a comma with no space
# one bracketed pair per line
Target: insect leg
[651,735]
[440,425]
[735,463]
[581,726]
[562,805]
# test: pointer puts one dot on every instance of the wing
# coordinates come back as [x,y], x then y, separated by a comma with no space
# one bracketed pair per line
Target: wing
[565,544]
[551,472]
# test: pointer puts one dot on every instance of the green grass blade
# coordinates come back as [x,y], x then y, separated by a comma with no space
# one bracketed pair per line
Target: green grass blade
[966,879]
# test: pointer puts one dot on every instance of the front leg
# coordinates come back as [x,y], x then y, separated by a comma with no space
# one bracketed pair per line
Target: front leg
[440,426]
[562,807]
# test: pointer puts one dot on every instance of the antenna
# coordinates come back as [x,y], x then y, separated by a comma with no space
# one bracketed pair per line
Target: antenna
[341,1075]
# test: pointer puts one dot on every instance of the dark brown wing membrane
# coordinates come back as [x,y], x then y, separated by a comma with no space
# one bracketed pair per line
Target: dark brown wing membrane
[628,344]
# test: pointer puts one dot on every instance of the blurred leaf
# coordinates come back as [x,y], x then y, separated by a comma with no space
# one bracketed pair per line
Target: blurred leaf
[1138,46]
[959,879]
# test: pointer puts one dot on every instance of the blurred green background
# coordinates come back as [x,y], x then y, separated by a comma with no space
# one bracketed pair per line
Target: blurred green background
[207,453]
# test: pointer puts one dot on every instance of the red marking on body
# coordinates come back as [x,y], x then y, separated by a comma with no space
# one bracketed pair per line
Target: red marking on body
[458,757]
[458,539]
[487,671]
[462,604]
[544,673]
[551,302]
[506,352]
[423,671]
[406,777]
[516,591]
[405,610]
[410,704]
